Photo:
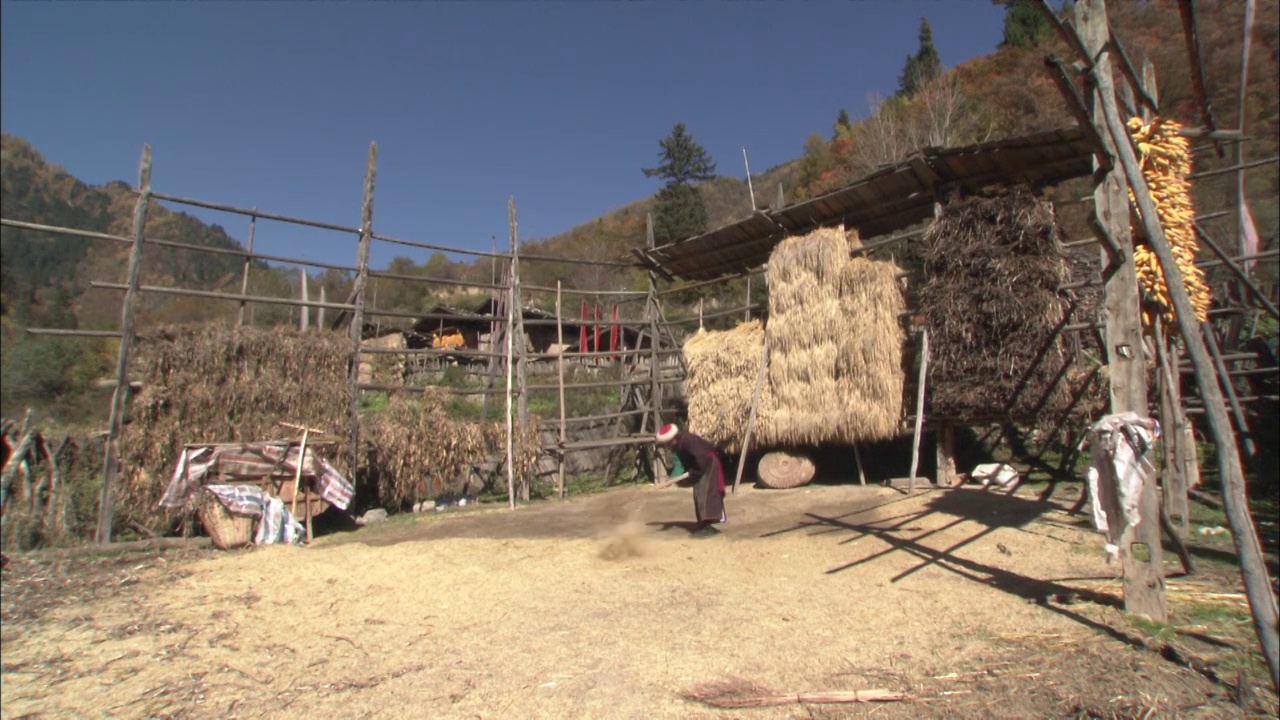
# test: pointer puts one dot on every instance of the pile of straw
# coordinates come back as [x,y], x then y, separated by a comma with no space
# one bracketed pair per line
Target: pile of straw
[723,367]
[212,383]
[993,266]
[835,343]
[416,451]
[835,353]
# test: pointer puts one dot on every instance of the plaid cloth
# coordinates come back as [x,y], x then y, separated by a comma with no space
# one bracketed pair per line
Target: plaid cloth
[276,524]
[253,460]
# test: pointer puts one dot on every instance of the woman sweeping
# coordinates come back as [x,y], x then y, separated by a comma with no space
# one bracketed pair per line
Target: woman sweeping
[700,458]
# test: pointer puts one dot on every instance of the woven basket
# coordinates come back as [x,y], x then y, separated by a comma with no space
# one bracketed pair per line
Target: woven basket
[227,530]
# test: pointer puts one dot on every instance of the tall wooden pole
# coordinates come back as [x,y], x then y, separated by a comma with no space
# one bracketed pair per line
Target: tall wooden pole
[511,322]
[651,310]
[357,294]
[1235,498]
[522,394]
[560,381]
[248,259]
[1144,590]
[111,461]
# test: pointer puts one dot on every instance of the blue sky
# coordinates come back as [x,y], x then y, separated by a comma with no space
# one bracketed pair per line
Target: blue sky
[556,103]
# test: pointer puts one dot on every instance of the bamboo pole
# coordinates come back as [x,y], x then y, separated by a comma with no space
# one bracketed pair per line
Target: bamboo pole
[920,383]
[510,331]
[751,418]
[111,461]
[357,293]
[560,376]
[244,277]
[1235,496]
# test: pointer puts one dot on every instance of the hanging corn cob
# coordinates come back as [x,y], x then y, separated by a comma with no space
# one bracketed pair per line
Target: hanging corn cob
[1166,163]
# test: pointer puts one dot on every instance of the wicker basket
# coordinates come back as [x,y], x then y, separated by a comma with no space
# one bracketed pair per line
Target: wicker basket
[227,530]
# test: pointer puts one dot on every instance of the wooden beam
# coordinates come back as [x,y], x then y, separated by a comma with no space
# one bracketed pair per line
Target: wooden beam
[119,396]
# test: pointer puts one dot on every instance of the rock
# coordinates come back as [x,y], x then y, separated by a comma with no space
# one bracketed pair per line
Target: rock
[424,506]
[375,515]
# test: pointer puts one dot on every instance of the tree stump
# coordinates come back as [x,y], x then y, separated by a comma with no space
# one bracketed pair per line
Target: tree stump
[785,469]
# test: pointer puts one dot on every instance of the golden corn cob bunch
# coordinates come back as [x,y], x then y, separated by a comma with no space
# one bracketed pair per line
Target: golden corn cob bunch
[1166,162]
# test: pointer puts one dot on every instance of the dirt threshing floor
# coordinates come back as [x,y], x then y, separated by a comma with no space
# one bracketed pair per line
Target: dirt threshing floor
[974,604]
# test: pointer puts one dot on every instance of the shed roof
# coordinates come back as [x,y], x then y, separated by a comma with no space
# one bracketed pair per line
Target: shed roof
[890,199]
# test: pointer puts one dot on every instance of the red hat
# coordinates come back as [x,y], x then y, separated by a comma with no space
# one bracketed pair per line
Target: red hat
[667,433]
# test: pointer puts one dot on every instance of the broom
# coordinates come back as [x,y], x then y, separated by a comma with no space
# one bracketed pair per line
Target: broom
[735,694]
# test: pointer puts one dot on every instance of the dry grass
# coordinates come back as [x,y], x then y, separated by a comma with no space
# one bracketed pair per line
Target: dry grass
[993,266]
[822,591]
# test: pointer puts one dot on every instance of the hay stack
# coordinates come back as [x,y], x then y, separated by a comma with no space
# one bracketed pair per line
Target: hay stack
[835,347]
[993,266]
[721,383]
[835,343]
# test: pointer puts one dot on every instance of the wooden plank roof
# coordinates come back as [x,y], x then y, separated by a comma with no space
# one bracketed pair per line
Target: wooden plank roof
[890,199]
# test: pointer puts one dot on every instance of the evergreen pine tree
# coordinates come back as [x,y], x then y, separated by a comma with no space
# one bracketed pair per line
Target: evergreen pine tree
[922,67]
[1024,26]
[679,210]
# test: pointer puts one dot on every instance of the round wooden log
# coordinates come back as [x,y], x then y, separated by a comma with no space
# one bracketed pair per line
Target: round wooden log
[785,469]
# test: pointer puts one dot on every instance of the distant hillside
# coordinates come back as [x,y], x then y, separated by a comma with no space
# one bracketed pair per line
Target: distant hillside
[45,280]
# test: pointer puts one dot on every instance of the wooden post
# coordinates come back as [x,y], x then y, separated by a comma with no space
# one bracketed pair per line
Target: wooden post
[946,454]
[747,316]
[751,419]
[700,326]
[655,389]
[306,309]
[320,311]
[111,461]
[915,442]
[357,294]
[248,259]
[510,331]
[1173,421]
[522,394]
[1144,591]
[1235,502]
[862,473]
[560,381]
[297,474]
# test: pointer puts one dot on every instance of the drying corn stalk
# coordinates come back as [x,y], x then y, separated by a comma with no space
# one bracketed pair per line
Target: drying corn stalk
[1166,163]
